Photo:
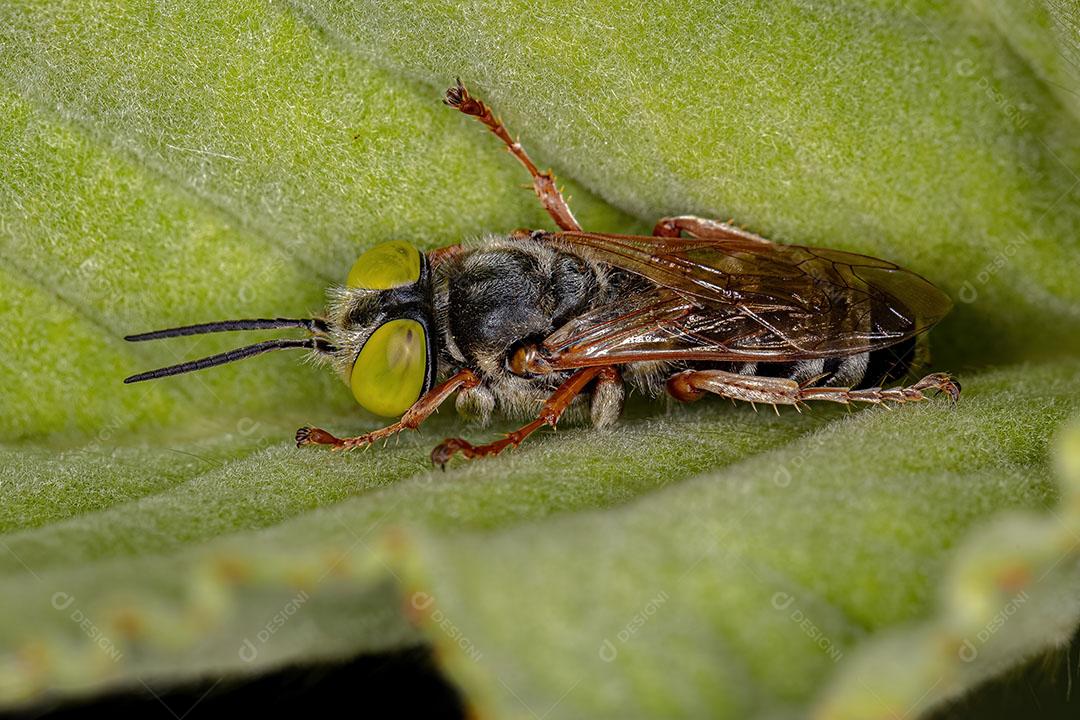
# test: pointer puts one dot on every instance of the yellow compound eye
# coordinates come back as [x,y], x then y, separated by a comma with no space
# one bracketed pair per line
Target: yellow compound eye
[385,266]
[389,373]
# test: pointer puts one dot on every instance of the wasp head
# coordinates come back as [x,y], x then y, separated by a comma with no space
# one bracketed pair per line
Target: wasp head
[381,326]
[378,334]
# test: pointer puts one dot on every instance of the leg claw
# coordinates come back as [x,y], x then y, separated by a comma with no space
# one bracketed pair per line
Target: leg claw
[315,436]
[447,449]
[940,383]
[456,95]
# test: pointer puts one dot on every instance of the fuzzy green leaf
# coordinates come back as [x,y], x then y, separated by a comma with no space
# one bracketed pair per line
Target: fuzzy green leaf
[167,164]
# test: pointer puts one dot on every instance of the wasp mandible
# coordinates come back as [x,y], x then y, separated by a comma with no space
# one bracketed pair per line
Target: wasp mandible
[535,322]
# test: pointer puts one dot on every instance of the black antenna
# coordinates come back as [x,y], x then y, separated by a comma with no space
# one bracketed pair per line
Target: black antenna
[313,325]
[230,356]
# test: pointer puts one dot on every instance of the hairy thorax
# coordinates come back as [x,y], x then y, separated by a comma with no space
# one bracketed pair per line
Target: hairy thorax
[502,295]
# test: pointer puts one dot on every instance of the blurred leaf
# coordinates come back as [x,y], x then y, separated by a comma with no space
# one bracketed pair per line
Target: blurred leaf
[741,592]
[171,163]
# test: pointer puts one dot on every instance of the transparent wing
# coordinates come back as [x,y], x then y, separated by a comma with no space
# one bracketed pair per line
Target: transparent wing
[742,299]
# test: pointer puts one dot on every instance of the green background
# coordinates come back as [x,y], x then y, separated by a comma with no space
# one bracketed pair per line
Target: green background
[166,163]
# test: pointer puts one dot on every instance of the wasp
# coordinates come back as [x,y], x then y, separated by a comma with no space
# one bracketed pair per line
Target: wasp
[534,323]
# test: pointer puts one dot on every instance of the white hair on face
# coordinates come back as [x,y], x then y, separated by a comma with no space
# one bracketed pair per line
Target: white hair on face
[345,303]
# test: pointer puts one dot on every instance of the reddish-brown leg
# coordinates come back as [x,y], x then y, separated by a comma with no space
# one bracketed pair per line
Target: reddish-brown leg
[690,385]
[411,420]
[543,182]
[553,409]
[702,228]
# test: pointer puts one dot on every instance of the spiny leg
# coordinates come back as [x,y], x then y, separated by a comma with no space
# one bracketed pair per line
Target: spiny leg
[690,385]
[411,420]
[702,228]
[543,182]
[552,410]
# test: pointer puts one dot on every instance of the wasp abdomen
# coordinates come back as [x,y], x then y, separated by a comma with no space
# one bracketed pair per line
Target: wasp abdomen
[861,370]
